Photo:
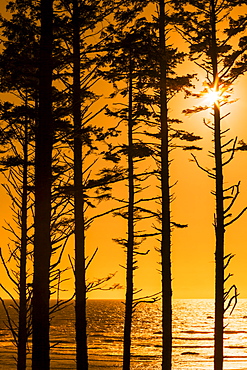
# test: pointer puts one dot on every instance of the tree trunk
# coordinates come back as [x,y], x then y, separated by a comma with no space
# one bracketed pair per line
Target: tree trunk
[80,278]
[130,242]
[219,222]
[219,251]
[22,328]
[165,194]
[43,181]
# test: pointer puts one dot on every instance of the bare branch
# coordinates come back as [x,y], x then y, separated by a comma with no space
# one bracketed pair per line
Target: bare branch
[7,269]
[232,154]
[233,298]
[236,218]
[89,262]
[202,168]
[234,197]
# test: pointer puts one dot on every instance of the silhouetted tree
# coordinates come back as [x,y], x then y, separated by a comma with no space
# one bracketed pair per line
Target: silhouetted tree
[146,73]
[169,85]
[128,60]
[18,69]
[210,27]
[43,178]
[162,84]
[19,77]
[17,165]
[22,329]
[80,20]
[80,271]
[130,242]
[165,195]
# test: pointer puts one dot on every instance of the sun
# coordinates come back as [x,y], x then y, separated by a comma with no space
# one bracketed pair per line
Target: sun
[212,96]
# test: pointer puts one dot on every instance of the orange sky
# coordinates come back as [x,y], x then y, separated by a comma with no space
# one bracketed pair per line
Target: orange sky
[193,247]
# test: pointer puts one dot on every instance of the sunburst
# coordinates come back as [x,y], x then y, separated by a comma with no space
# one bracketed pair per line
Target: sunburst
[216,94]
[212,96]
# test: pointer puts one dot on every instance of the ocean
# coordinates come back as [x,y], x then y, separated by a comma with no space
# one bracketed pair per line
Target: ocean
[193,326]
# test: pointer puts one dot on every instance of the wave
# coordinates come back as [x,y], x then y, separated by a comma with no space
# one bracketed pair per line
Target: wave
[190,353]
[196,346]
[235,332]
[193,338]
[195,332]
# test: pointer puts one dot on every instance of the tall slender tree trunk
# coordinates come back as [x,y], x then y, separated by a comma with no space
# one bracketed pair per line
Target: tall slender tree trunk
[219,219]
[43,181]
[219,251]
[165,194]
[80,271]
[22,329]
[130,242]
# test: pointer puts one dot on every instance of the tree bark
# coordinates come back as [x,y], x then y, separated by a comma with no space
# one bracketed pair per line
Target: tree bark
[43,181]
[130,242]
[165,194]
[80,271]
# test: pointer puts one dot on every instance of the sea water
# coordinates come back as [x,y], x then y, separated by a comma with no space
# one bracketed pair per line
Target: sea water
[193,327]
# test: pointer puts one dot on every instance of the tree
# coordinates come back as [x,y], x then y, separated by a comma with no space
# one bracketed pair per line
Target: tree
[214,50]
[43,178]
[162,132]
[165,195]
[82,19]
[17,164]
[129,61]
[18,69]
[131,201]
[168,86]
[80,271]
[19,65]
[152,82]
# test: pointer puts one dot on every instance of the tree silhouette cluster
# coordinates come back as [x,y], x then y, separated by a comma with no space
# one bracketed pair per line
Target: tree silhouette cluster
[59,163]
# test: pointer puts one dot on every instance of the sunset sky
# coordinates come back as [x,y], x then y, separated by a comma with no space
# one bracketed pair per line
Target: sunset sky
[193,247]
